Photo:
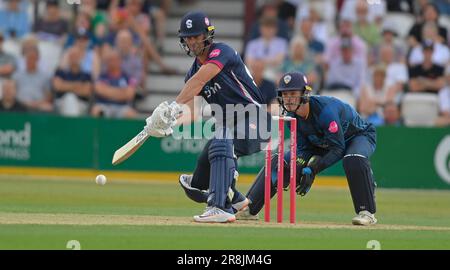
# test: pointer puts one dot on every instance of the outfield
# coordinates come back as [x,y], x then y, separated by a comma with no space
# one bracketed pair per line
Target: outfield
[46,214]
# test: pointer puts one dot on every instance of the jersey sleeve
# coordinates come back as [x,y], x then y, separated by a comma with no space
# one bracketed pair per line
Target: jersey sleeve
[334,136]
[221,55]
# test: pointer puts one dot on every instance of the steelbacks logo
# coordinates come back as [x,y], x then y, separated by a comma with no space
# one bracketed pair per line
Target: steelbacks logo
[333,127]
[214,53]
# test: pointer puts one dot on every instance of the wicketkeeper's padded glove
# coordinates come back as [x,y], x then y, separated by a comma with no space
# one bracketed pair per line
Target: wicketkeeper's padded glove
[308,175]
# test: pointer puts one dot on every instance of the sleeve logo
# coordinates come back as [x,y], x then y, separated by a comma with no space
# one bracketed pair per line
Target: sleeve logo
[333,127]
[206,21]
[214,53]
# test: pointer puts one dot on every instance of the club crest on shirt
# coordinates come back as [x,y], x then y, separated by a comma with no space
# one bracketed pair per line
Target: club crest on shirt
[333,127]
[214,53]
[287,79]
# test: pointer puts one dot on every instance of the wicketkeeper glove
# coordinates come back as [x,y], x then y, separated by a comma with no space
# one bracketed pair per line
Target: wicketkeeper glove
[308,175]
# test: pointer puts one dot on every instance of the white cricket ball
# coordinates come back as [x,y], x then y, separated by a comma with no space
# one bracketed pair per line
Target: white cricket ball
[100,179]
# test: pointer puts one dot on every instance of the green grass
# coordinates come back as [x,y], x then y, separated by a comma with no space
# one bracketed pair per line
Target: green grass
[21,195]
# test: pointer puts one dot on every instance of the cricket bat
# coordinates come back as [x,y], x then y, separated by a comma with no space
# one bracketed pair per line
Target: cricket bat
[124,152]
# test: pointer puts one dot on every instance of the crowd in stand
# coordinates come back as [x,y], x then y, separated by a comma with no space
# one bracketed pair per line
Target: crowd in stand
[95,60]
[92,61]
[350,45]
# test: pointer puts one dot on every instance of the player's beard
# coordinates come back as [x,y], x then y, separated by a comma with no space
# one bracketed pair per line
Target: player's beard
[198,49]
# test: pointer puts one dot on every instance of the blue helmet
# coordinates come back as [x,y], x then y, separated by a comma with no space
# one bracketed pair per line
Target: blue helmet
[294,81]
[195,23]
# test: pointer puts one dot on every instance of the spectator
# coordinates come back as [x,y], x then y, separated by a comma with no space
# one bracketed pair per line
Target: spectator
[29,41]
[319,25]
[269,10]
[33,85]
[130,18]
[389,36]
[347,71]
[7,61]
[365,29]
[90,61]
[314,45]
[72,87]
[426,77]
[287,11]
[8,102]
[373,97]
[405,6]
[441,53]
[430,14]
[158,13]
[375,13]
[52,26]
[126,18]
[82,25]
[392,114]
[298,60]
[97,16]
[396,72]
[131,60]
[268,48]
[113,91]
[267,87]
[14,20]
[333,46]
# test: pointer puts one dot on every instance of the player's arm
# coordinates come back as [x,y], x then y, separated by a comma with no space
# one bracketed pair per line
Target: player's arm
[195,84]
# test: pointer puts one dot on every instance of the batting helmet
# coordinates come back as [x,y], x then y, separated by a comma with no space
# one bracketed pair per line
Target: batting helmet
[193,24]
[294,81]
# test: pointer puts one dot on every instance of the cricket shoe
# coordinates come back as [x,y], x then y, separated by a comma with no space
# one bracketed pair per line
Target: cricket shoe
[364,218]
[244,214]
[214,215]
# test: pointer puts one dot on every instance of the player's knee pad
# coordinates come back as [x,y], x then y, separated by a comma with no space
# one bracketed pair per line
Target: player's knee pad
[361,183]
[222,171]
[195,194]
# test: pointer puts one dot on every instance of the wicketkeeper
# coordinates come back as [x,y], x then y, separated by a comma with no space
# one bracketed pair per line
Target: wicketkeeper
[328,130]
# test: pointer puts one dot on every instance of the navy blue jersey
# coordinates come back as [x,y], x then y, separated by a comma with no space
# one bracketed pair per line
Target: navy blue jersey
[328,128]
[233,85]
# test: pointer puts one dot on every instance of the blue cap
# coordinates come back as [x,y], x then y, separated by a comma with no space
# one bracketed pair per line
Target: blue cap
[293,81]
[193,24]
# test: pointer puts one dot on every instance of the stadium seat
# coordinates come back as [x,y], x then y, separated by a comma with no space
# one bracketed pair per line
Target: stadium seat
[401,22]
[344,95]
[420,109]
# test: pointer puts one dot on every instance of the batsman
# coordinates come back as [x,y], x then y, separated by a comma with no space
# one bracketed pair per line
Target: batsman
[328,130]
[221,78]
